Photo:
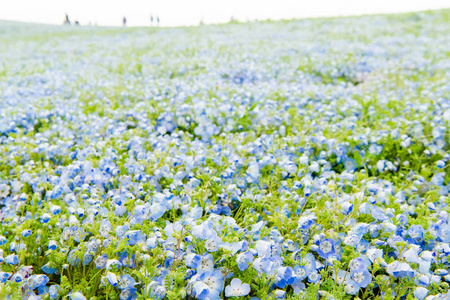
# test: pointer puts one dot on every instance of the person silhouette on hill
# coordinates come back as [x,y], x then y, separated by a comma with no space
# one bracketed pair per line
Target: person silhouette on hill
[151,20]
[124,21]
[66,21]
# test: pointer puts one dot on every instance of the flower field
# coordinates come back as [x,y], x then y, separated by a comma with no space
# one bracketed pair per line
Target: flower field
[304,159]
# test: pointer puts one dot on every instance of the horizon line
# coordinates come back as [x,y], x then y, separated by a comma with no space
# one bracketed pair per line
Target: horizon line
[231,21]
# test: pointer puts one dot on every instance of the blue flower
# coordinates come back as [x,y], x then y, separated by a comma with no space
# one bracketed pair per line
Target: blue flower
[212,244]
[206,264]
[113,262]
[263,265]
[52,245]
[412,254]
[243,260]
[111,278]
[121,230]
[346,207]
[127,294]
[400,269]
[423,280]
[160,292]
[100,261]
[420,293]
[17,277]
[72,258]
[105,228]
[55,209]
[309,261]
[135,236]
[352,240]
[253,173]
[237,288]
[189,274]
[155,290]
[215,282]
[4,276]
[151,242]
[126,282]
[47,269]
[326,248]
[201,290]
[314,276]
[374,253]
[193,260]
[279,294]
[12,259]
[352,287]
[127,261]
[285,276]
[43,290]
[45,218]
[87,258]
[441,272]
[362,278]
[120,210]
[357,265]
[416,233]
[298,286]
[305,222]
[301,272]
[54,291]
[156,211]
[76,296]
[378,214]
[444,233]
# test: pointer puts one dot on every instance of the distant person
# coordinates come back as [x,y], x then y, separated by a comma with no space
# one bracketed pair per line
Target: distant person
[157,20]
[151,20]
[124,21]
[66,21]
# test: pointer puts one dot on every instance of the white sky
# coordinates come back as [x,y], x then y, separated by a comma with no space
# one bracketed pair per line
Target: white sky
[190,12]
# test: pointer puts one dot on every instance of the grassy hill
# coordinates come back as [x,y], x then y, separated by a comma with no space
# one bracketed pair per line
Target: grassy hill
[297,159]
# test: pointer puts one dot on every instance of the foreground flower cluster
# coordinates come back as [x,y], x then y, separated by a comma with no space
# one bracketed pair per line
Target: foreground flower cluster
[302,159]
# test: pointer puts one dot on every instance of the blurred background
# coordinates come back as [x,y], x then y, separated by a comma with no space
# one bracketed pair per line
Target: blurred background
[194,12]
